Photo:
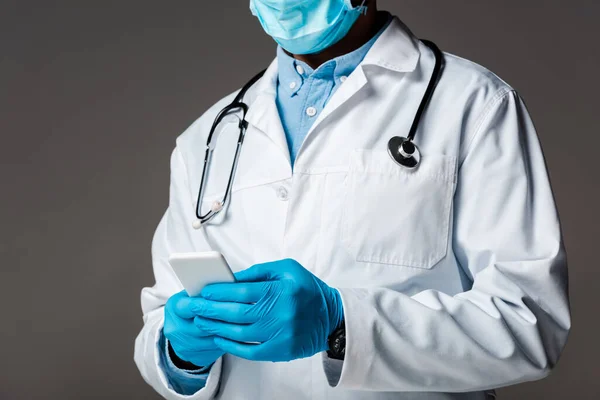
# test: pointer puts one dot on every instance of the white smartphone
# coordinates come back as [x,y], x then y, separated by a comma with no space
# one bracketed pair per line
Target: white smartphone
[196,270]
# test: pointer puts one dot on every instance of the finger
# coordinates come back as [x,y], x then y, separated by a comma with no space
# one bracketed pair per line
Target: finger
[261,272]
[173,326]
[249,351]
[179,305]
[235,292]
[239,333]
[237,313]
[181,342]
[190,331]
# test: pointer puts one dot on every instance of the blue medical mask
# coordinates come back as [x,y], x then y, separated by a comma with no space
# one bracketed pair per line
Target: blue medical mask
[306,26]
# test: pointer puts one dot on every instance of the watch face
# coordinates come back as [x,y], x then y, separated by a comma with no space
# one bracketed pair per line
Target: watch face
[337,344]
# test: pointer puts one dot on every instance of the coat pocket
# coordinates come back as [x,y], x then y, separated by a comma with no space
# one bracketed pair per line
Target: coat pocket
[393,215]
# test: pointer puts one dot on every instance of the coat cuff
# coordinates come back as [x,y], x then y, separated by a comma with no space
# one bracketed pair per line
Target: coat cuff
[350,373]
[212,379]
[182,381]
[172,363]
[332,368]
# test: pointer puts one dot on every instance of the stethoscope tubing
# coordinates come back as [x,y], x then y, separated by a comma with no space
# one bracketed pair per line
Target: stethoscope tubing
[396,145]
[433,81]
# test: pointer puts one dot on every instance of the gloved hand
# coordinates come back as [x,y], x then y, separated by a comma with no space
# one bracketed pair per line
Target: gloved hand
[189,343]
[277,311]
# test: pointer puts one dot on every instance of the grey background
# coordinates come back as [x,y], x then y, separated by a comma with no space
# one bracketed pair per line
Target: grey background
[92,96]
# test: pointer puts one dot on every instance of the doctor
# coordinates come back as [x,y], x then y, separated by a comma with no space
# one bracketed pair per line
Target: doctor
[359,278]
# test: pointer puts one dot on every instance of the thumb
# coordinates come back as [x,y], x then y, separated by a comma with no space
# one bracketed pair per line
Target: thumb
[259,272]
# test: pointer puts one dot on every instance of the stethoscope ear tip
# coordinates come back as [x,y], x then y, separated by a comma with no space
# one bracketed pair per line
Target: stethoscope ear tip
[197,224]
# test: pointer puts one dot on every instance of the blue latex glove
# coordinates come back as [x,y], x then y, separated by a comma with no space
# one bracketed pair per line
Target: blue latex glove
[189,343]
[277,311]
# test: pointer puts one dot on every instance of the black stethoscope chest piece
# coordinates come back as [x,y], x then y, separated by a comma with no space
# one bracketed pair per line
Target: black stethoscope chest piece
[402,149]
[404,152]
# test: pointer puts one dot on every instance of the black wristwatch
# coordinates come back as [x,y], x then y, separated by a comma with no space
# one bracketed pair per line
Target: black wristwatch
[337,343]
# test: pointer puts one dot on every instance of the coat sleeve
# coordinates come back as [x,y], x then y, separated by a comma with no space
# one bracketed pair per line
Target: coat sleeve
[513,322]
[173,234]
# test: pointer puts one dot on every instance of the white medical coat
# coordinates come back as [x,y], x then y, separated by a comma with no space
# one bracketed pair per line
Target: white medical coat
[453,276]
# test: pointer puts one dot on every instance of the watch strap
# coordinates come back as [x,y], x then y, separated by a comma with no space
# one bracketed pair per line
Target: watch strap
[337,343]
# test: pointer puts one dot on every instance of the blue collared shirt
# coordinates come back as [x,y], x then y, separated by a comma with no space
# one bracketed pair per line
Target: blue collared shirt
[302,92]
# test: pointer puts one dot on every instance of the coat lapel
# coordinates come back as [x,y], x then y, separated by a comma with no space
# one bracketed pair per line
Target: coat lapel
[263,114]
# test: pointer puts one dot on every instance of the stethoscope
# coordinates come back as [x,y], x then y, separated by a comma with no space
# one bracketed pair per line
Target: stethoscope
[403,150]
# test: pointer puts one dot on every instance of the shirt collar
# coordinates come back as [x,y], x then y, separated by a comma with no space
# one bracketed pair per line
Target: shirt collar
[397,49]
[292,73]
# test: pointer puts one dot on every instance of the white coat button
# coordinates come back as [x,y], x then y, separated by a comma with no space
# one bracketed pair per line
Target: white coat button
[299,69]
[311,111]
[343,79]
[282,193]
[293,85]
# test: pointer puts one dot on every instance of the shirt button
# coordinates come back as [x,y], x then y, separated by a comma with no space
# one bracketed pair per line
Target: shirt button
[282,193]
[299,69]
[343,79]
[293,85]
[311,111]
